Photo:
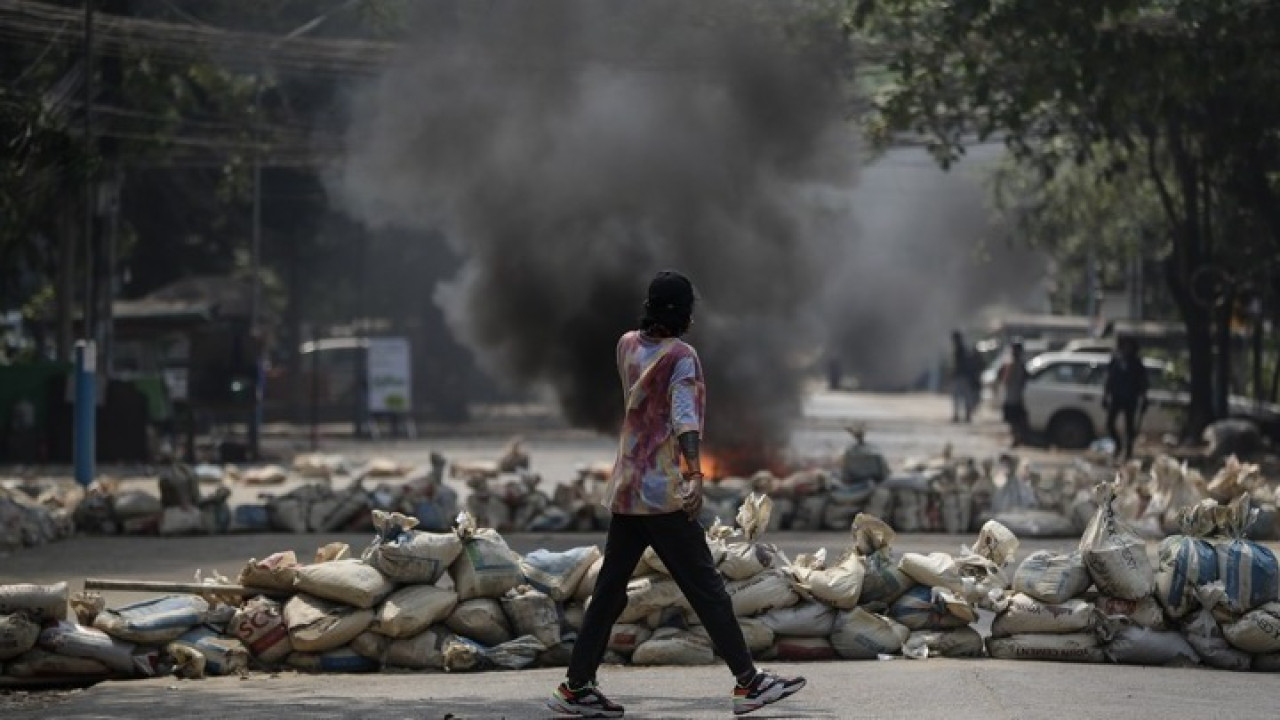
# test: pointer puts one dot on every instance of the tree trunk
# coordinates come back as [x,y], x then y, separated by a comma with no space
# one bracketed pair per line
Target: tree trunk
[1222,355]
[1198,322]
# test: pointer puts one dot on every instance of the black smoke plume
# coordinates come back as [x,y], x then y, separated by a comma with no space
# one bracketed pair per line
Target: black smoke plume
[569,149]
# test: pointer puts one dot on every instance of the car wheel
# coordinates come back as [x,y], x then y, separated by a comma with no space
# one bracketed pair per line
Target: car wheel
[1071,430]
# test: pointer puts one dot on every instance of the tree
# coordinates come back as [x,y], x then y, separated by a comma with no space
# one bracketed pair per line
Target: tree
[1177,90]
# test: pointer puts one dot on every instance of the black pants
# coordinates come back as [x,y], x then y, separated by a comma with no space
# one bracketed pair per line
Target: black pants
[1130,411]
[682,546]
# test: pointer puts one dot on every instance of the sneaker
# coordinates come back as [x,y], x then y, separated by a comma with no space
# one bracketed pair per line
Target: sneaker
[767,688]
[585,703]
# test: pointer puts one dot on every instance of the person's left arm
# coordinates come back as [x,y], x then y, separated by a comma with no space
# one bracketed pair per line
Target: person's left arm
[687,407]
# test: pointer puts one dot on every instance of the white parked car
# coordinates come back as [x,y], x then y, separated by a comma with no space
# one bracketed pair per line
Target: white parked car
[1064,399]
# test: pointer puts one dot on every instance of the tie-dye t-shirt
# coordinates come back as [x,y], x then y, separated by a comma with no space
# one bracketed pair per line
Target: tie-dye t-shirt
[665,396]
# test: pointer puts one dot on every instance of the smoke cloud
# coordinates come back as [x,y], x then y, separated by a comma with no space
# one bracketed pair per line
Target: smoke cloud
[569,149]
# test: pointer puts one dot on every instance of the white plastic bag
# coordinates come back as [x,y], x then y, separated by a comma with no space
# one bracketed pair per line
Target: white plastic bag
[1114,554]
[411,610]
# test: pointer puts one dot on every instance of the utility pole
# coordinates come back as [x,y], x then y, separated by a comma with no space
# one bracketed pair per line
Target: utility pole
[90,196]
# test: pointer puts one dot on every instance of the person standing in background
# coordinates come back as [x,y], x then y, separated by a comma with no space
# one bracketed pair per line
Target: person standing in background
[1013,383]
[964,379]
[1125,394]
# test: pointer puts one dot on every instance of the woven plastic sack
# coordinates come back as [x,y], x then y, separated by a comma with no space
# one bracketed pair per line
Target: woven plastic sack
[338,660]
[18,634]
[1248,570]
[482,620]
[1205,635]
[350,582]
[408,611]
[1114,554]
[274,572]
[38,602]
[407,555]
[154,622]
[558,574]
[1023,614]
[962,642]
[1075,647]
[486,567]
[259,624]
[317,626]
[532,613]
[861,635]
[1051,577]
[750,557]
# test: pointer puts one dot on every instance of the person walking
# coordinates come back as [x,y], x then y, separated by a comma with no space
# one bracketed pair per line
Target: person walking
[656,505]
[1125,393]
[964,381]
[1013,383]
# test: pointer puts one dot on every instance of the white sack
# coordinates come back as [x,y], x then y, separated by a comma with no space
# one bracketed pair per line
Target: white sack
[806,619]
[18,634]
[962,642]
[532,613]
[1145,612]
[669,646]
[222,655]
[408,611]
[649,594]
[750,557]
[371,645]
[350,582]
[770,589]
[1051,577]
[1205,635]
[926,608]
[839,586]
[39,602]
[1114,554]
[72,640]
[38,663]
[1077,647]
[486,567]
[758,636]
[338,660]
[407,555]
[587,584]
[420,652]
[802,649]
[882,580]
[1142,646]
[274,572]
[1258,631]
[860,635]
[1023,614]
[482,620]
[317,625]
[259,624]
[624,638]
[1185,563]
[558,573]
[153,622]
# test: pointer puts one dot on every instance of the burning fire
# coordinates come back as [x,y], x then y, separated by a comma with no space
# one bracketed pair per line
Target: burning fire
[742,461]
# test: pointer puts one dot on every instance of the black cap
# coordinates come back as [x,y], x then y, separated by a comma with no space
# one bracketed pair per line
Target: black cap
[670,290]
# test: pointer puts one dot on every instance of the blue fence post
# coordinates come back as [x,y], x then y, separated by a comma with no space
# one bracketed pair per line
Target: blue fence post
[85,410]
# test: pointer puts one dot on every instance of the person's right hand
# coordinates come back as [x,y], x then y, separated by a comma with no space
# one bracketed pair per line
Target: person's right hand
[691,494]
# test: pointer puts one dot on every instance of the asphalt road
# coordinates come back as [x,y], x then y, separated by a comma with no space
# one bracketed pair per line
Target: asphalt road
[946,689]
